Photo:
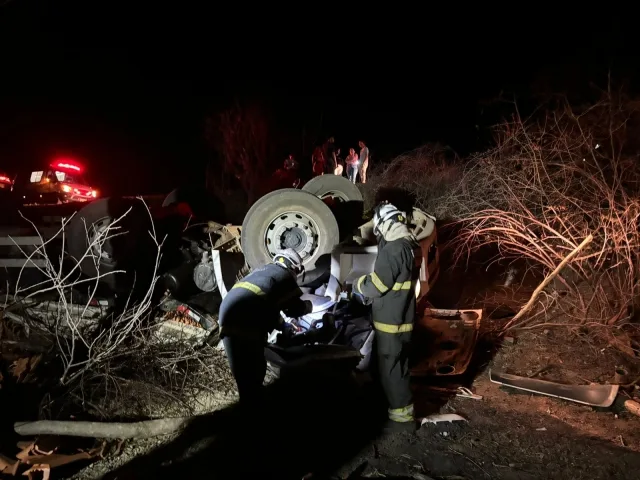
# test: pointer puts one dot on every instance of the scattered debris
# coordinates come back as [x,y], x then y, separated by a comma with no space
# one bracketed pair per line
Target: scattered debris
[621,441]
[54,460]
[43,461]
[183,322]
[23,367]
[594,395]
[45,469]
[542,370]
[19,367]
[8,466]
[442,417]
[632,407]
[448,339]
[621,376]
[464,392]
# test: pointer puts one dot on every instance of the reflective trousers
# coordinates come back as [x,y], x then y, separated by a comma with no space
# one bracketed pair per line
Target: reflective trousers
[392,351]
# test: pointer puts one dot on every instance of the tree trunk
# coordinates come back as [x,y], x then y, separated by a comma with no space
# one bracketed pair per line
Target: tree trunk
[149,428]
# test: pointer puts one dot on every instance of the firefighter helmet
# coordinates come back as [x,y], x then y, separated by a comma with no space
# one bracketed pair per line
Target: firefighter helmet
[290,259]
[387,214]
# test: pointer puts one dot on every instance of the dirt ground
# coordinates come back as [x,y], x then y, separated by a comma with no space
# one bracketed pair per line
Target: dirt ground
[517,435]
[331,429]
[508,434]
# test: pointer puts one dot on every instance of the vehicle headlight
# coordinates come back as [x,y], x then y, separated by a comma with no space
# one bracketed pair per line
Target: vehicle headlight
[66,188]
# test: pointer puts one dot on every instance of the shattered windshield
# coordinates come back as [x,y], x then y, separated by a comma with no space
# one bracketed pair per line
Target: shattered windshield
[69,178]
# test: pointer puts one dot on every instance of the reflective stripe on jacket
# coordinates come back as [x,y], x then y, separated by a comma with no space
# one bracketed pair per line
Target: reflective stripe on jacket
[255,302]
[392,285]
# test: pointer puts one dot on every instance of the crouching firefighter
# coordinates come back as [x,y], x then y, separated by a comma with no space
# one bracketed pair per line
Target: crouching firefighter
[251,310]
[392,287]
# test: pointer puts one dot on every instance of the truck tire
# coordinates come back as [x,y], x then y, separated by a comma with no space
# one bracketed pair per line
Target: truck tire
[290,218]
[343,197]
[342,189]
[131,249]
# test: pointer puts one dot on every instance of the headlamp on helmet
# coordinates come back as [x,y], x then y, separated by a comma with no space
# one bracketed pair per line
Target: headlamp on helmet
[289,259]
[385,215]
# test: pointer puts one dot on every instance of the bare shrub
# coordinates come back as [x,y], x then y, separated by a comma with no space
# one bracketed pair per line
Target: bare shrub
[544,188]
[431,173]
[110,362]
[549,182]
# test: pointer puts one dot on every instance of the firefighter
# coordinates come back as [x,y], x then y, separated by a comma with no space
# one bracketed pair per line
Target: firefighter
[392,287]
[251,310]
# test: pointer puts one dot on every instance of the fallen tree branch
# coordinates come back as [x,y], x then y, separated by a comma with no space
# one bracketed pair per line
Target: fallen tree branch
[145,429]
[548,280]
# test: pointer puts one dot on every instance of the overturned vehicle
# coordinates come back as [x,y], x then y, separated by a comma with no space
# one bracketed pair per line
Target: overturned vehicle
[114,247]
[323,223]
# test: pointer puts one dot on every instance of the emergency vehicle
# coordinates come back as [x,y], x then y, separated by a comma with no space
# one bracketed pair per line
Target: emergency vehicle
[6,183]
[61,182]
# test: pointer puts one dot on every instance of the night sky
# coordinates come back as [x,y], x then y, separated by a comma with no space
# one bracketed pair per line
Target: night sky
[127,89]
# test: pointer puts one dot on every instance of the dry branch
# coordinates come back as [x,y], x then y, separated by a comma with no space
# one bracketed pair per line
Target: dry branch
[145,429]
[547,281]
[549,182]
[110,364]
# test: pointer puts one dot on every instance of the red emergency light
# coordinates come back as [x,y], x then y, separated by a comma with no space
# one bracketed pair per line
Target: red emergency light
[5,179]
[67,165]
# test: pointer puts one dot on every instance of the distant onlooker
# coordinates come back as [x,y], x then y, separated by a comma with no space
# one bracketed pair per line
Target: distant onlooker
[339,164]
[290,163]
[364,161]
[317,160]
[330,159]
[352,165]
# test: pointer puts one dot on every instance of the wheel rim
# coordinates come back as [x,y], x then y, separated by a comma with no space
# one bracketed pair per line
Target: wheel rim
[295,230]
[334,196]
[97,231]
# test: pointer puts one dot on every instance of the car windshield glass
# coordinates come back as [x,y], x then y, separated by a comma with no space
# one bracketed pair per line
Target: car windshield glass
[69,178]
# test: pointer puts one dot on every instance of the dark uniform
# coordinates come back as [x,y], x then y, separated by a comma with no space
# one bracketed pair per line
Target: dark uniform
[392,286]
[248,313]
[330,158]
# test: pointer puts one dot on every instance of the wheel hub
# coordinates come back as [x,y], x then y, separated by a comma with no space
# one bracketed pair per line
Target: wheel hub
[293,238]
[294,230]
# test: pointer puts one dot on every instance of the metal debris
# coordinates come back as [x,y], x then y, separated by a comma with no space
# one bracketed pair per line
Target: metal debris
[594,395]
[442,417]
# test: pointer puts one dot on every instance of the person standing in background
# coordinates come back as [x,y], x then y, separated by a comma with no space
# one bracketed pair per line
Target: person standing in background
[352,165]
[290,163]
[330,160]
[339,164]
[364,161]
[317,162]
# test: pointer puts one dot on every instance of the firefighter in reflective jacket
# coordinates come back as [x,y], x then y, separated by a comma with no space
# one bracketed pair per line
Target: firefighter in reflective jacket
[392,286]
[251,310]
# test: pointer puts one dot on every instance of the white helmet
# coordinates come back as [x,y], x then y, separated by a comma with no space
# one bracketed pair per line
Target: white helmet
[387,212]
[289,259]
